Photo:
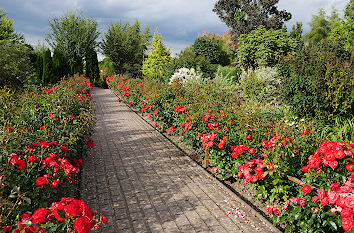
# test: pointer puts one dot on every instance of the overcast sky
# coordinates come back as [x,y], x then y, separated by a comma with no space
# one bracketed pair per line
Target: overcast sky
[179,21]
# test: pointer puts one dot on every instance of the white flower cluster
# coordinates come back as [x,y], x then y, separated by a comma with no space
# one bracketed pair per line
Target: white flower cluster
[185,75]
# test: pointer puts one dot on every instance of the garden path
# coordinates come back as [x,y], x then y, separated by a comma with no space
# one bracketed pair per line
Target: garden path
[143,183]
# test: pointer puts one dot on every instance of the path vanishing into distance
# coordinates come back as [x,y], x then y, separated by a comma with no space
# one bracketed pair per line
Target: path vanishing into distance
[143,183]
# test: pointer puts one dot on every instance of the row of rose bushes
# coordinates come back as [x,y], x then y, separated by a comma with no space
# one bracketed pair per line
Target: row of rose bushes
[263,145]
[42,136]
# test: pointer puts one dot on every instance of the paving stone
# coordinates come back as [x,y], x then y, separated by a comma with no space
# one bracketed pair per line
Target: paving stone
[143,183]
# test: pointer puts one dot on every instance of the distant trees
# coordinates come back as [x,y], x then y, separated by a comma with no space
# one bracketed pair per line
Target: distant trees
[125,45]
[243,16]
[73,35]
[343,31]
[92,70]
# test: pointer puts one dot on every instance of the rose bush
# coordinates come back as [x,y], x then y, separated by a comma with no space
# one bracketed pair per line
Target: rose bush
[43,133]
[266,146]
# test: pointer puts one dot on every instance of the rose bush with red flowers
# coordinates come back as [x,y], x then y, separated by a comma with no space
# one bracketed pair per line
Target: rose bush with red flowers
[43,138]
[268,147]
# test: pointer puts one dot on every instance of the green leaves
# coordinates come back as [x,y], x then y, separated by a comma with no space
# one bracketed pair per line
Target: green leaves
[158,59]
[73,34]
[125,45]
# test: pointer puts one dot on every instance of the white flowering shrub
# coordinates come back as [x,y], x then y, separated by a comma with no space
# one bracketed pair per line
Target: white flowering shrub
[185,75]
[261,84]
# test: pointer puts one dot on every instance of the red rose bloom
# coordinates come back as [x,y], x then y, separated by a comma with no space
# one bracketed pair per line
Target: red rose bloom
[306,189]
[349,201]
[32,159]
[74,209]
[40,215]
[21,164]
[276,211]
[104,219]
[82,225]
[41,181]
[304,132]
[249,137]
[347,224]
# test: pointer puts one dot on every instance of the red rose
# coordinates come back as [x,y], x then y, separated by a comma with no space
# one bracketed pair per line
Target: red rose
[33,159]
[349,201]
[21,164]
[304,132]
[306,189]
[334,187]
[14,161]
[82,225]
[104,219]
[347,224]
[40,215]
[276,211]
[41,181]
[25,217]
[154,124]
[269,210]
[332,197]
[249,137]
[13,155]
[350,167]
[315,199]
[333,164]
[65,149]
[74,209]
[347,212]
[251,150]
[321,194]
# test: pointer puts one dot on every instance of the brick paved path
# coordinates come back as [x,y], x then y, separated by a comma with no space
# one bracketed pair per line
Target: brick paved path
[143,183]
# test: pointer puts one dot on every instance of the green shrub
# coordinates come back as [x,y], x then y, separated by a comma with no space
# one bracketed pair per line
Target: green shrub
[261,84]
[16,68]
[318,81]
[207,48]
[264,47]
[227,75]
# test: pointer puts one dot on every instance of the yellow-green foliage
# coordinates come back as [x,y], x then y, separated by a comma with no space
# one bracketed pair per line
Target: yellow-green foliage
[159,58]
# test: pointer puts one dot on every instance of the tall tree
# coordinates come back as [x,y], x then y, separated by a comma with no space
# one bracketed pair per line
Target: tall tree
[7,31]
[321,25]
[47,67]
[92,70]
[125,45]
[343,32]
[73,35]
[158,59]
[243,16]
[60,66]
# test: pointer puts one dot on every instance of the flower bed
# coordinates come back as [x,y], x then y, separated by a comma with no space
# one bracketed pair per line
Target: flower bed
[307,180]
[43,133]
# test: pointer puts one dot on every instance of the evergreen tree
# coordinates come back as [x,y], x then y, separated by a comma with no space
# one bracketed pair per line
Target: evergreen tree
[92,70]
[158,59]
[61,67]
[47,67]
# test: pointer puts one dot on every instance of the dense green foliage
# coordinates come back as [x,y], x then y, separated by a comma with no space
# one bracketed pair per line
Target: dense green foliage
[41,123]
[158,59]
[92,70]
[243,16]
[16,68]
[318,81]
[60,66]
[263,47]
[73,35]
[125,45]
[321,26]
[207,48]
[343,32]
[47,67]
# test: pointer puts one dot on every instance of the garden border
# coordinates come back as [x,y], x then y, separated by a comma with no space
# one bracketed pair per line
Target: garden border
[254,209]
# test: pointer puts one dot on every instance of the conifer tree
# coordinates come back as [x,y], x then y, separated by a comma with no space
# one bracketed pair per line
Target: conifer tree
[47,66]
[158,59]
